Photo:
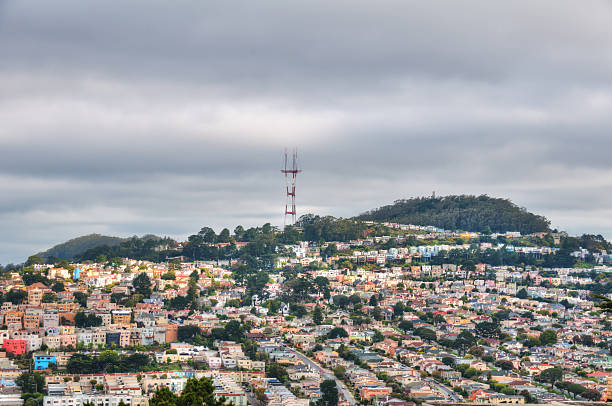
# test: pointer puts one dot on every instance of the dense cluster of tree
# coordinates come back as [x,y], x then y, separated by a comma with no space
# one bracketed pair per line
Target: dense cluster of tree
[328,228]
[82,319]
[329,389]
[197,392]
[262,242]
[496,257]
[108,362]
[15,296]
[591,242]
[232,331]
[32,387]
[148,247]
[71,248]
[463,212]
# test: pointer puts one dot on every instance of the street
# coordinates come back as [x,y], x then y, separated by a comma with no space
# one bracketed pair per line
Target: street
[448,392]
[326,374]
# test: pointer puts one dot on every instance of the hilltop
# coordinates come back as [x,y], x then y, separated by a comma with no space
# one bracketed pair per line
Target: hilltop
[76,246]
[461,212]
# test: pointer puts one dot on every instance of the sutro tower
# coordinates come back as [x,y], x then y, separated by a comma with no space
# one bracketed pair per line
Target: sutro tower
[290,170]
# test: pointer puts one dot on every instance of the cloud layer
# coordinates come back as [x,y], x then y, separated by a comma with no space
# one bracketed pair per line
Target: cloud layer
[158,117]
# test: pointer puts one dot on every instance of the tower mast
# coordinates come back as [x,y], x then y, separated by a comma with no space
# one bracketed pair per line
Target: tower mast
[290,171]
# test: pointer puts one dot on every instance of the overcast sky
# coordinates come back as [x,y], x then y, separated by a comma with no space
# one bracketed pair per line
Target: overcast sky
[161,117]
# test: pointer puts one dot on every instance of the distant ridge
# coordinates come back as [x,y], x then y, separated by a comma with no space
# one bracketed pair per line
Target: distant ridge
[461,212]
[76,246]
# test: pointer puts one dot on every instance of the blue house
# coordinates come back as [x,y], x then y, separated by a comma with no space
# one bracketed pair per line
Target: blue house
[76,274]
[43,361]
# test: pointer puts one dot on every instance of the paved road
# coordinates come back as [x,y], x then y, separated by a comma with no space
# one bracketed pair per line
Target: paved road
[326,374]
[448,392]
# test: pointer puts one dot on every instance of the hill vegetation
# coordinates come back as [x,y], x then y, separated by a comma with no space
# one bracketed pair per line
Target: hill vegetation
[461,212]
[76,246]
[149,247]
[469,213]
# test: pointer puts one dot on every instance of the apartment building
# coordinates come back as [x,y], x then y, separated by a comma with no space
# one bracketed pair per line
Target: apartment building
[122,317]
[96,400]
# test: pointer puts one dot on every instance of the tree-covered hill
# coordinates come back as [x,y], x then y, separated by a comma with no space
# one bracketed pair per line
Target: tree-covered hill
[76,246]
[149,247]
[461,212]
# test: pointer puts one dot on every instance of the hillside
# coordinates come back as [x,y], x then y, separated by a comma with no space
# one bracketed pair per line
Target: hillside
[461,212]
[76,246]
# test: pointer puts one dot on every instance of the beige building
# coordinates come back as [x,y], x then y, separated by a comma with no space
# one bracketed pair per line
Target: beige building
[35,296]
[122,317]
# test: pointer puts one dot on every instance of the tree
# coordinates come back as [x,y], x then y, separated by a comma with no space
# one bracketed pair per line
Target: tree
[398,309]
[30,278]
[464,340]
[239,233]
[174,265]
[233,330]
[33,399]
[299,310]
[142,284]
[58,287]
[200,392]
[438,319]
[16,296]
[80,298]
[224,235]
[260,394]
[476,350]
[277,371]
[257,283]
[405,325]
[377,337]
[208,235]
[82,319]
[464,212]
[337,332]
[470,372]
[505,365]
[450,361]
[425,333]
[34,260]
[340,371]
[605,304]
[550,375]
[521,294]
[49,297]
[317,315]
[330,393]
[31,382]
[591,394]
[548,337]
[354,299]
[330,250]
[574,388]
[197,392]
[321,283]
[188,332]
[341,300]
[488,329]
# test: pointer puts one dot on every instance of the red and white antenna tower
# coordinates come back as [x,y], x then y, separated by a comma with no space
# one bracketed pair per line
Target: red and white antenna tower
[290,170]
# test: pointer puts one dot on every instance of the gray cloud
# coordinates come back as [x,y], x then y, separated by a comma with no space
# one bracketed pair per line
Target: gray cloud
[164,117]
